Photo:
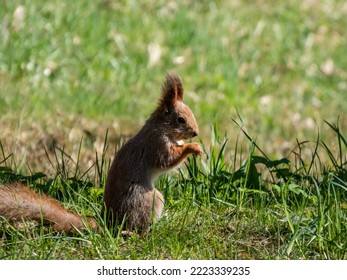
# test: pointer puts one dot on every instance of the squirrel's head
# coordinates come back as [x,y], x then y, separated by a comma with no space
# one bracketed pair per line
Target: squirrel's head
[178,119]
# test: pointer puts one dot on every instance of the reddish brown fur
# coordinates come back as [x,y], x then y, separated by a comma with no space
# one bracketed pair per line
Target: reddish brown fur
[153,150]
[18,202]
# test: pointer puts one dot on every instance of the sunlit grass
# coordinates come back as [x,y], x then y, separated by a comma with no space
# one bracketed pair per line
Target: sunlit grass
[214,210]
[100,64]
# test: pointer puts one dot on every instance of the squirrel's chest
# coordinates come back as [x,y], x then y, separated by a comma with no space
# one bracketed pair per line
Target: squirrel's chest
[161,161]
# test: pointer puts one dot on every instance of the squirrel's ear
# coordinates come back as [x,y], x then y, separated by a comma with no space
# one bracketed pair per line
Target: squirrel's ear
[172,91]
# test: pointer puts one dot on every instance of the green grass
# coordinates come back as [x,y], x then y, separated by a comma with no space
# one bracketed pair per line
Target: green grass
[282,65]
[214,210]
[72,72]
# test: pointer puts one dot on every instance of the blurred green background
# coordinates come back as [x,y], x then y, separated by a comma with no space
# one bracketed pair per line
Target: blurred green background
[72,69]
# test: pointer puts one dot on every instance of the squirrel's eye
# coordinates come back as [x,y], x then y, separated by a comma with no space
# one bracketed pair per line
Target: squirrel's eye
[181,120]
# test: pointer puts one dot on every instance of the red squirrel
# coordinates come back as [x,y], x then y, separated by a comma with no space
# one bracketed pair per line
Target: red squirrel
[129,195]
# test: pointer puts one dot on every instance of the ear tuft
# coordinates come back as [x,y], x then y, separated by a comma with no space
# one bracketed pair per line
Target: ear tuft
[172,91]
[173,87]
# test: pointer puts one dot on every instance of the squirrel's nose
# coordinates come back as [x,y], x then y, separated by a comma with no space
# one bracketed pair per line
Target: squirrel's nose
[195,133]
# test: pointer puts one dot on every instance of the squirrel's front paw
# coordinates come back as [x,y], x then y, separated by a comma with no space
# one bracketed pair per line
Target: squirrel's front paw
[196,148]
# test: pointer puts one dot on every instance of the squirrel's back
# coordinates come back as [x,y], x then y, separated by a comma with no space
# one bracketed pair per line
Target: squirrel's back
[129,191]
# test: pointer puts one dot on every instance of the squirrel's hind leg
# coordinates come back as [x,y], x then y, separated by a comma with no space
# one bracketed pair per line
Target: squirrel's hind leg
[154,201]
[144,209]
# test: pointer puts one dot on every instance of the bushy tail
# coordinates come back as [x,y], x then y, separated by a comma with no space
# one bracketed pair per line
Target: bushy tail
[18,202]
